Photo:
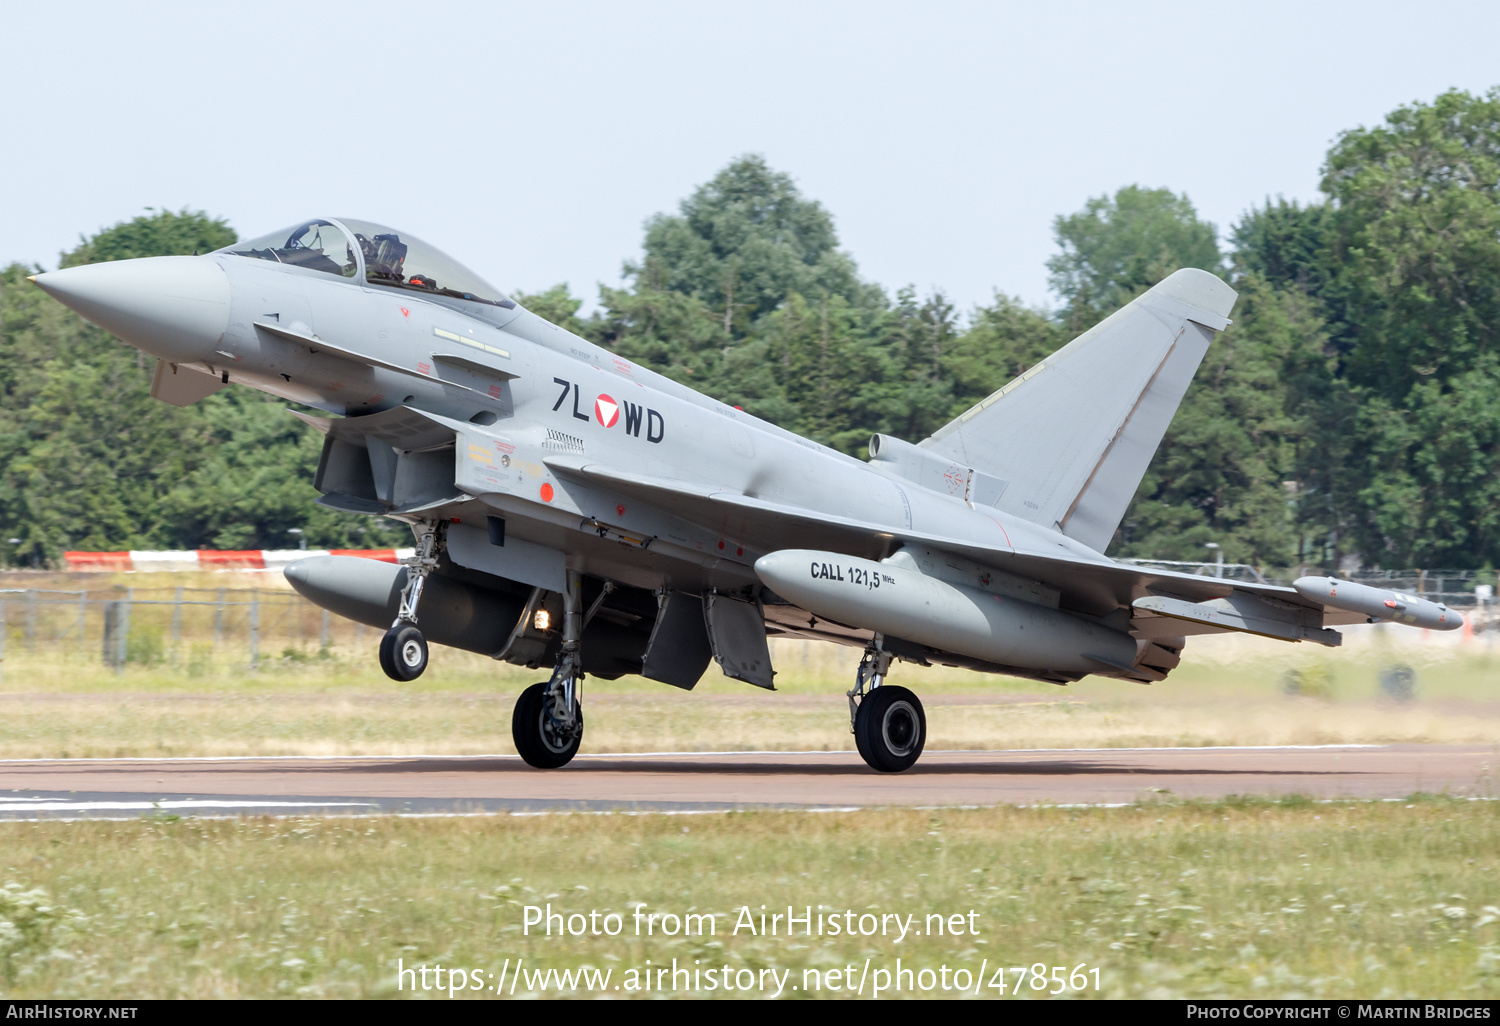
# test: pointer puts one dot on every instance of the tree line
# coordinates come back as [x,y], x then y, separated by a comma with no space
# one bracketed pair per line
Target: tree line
[1348,413]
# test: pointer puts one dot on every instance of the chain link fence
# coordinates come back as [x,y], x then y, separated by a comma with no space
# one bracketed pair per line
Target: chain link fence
[158,625]
[248,625]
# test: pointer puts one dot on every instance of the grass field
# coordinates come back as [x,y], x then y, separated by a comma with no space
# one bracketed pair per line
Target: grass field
[202,701]
[1227,899]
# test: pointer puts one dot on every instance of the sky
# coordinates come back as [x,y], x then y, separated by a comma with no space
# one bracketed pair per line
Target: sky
[532,141]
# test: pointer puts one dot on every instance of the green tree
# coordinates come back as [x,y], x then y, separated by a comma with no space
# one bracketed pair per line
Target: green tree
[250,482]
[1227,469]
[1416,243]
[826,371]
[161,233]
[1287,244]
[1117,247]
[743,243]
[1430,494]
[1416,235]
[558,305]
[1003,340]
[708,305]
[916,340]
[82,438]
[671,332]
[1290,248]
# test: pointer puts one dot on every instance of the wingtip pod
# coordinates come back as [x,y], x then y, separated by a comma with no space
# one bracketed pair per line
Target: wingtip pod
[1379,604]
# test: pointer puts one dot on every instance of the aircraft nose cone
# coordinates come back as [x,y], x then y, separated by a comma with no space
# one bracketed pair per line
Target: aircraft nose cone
[174,307]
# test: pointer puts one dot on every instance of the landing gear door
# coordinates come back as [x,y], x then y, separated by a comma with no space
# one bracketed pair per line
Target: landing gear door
[515,560]
[181,386]
[737,633]
[679,650]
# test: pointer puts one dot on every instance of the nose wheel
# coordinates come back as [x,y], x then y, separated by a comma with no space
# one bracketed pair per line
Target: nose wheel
[403,653]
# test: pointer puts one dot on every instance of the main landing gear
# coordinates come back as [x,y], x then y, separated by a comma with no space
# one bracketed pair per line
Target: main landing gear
[547,725]
[403,650]
[889,725]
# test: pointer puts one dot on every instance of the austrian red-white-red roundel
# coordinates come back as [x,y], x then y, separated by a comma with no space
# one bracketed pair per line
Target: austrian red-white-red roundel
[606,411]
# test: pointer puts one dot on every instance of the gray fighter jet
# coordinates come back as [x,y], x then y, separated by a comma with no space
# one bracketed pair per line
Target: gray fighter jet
[577,511]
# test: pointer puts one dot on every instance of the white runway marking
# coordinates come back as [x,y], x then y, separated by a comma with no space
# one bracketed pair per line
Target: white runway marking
[53,804]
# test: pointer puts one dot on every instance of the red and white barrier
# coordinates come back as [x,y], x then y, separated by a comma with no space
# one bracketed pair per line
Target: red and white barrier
[216,559]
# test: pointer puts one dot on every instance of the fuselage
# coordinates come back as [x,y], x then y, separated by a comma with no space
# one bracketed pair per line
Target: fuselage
[526,396]
[567,396]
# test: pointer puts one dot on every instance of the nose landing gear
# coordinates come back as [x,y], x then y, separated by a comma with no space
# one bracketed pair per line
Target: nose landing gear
[889,724]
[403,650]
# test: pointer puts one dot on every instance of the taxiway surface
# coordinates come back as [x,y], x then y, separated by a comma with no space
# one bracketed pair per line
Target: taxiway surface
[689,782]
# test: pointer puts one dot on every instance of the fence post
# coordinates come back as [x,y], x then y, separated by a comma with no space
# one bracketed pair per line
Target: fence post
[83,619]
[111,628]
[219,620]
[30,618]
[116,630]
[3,632]
[323,637]
[254,626]
[177,621]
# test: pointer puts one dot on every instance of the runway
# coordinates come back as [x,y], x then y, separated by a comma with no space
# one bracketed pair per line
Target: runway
[716,781]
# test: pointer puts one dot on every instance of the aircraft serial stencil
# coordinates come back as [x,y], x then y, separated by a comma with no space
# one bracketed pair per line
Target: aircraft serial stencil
[576,511]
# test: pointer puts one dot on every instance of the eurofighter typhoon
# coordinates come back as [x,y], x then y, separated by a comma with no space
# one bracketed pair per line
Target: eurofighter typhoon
[574,510]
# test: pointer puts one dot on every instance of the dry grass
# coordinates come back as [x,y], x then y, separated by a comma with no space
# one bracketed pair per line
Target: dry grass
[1229,692]
[136,725]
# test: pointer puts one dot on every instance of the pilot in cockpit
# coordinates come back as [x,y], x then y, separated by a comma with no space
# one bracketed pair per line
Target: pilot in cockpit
[312,245]
[385,257]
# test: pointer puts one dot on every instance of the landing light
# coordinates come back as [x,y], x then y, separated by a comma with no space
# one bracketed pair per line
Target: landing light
[543,620]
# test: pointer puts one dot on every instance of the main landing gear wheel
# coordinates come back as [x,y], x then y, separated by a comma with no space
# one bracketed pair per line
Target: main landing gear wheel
[403,653]
[541,740]
[890,729]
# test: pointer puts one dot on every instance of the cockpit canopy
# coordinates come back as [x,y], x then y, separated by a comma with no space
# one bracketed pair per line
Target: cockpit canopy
[316,245]
[386,258]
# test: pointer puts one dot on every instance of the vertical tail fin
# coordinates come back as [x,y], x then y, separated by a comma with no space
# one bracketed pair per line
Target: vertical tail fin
[1072,437]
